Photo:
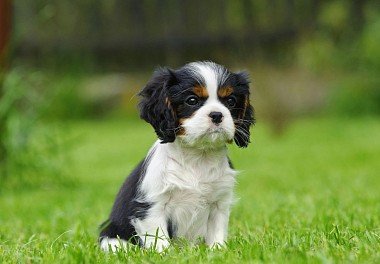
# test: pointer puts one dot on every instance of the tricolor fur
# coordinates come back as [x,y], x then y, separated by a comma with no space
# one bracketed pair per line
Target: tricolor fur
[184,186]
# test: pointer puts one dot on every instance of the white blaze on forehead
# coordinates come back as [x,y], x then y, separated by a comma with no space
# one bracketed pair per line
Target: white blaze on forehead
[212,75]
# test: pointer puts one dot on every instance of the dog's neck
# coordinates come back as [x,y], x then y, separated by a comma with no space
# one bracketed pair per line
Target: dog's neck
[186,156]
[179,149]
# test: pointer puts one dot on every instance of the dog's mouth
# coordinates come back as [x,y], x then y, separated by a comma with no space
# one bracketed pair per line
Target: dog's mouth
[210,136]
[216,130]
[216,134]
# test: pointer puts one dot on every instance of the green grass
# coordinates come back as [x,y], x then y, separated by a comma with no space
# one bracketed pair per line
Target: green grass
[312,195]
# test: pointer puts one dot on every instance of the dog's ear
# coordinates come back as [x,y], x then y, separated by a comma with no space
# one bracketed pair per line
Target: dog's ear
[155,106]
[246,116]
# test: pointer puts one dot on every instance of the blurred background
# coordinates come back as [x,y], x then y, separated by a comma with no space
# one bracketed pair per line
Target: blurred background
[65,62]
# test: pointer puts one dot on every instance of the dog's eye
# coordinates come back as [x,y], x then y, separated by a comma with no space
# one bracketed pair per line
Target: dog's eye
[192,100]
[231,101]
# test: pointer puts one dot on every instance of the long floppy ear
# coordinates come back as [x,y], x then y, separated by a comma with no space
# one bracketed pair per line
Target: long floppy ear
[155,107]
[246,116]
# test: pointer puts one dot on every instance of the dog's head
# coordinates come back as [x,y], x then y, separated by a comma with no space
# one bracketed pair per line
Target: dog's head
[202,104]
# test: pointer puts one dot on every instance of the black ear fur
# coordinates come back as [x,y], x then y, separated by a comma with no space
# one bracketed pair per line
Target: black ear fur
[242,134]
[155,107]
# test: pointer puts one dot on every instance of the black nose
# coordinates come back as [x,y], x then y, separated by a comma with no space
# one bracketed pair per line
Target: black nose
[216,117]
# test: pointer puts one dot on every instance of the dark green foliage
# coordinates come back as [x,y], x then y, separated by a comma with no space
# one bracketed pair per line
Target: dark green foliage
[349,55]
[359,92]
[34,151]
[356,96]
[142,34]
[65,101]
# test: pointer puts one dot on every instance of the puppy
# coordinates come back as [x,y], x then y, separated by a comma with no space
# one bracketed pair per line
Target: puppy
[184,186]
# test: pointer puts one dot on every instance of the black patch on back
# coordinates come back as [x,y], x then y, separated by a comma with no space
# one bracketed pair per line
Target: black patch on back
[127,208]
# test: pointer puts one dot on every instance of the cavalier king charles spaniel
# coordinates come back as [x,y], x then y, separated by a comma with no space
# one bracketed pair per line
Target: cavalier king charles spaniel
[184,186]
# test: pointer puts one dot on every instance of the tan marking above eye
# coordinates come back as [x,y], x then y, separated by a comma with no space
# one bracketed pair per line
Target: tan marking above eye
[225,91]
[200,91]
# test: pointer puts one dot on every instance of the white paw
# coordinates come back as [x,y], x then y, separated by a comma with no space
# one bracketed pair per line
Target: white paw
[113,244]
[162,245]
[217,245]
[159,244]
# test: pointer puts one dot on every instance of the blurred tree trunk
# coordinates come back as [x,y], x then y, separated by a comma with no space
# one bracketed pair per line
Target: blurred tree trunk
[5,30]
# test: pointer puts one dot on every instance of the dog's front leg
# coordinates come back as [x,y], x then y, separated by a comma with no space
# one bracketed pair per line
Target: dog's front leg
[217,226]
[153,232]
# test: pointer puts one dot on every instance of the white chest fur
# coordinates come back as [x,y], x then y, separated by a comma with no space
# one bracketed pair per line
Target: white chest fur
[186,186]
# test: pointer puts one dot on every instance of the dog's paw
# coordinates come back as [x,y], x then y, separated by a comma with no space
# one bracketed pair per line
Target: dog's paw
[217,245]
[161,245]
[113,244]
[158,244]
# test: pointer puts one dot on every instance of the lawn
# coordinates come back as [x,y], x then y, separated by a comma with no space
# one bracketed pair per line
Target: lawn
[310,195]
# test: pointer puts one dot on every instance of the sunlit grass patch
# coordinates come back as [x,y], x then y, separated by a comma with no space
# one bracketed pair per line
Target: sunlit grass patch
[309,195]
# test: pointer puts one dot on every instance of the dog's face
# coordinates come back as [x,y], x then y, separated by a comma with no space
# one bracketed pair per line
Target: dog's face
[202,104]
